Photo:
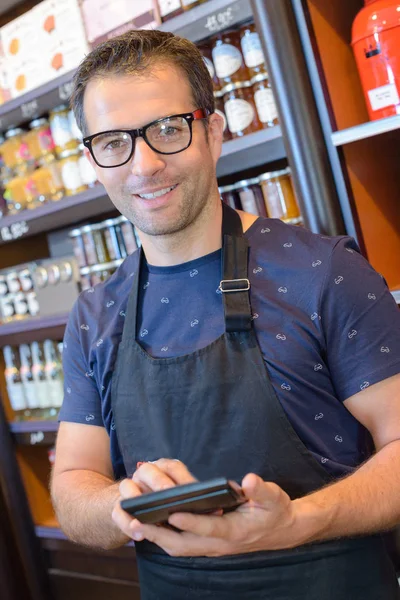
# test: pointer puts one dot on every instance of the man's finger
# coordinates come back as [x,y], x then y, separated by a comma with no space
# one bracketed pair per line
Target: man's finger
[162,474]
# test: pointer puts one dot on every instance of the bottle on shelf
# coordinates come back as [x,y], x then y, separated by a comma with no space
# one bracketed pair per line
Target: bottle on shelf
[32,400]
[54,376]
[41,382]
[15,388]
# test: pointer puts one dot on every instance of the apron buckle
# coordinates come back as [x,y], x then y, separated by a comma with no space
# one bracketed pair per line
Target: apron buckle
[227,286]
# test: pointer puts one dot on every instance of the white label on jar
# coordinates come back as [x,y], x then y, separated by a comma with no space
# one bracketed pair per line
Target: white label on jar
[168,6]
[71,175]
[221,114]
[239,114]
[252,51]
[20,303]
[384,96]
[30,394]
[7,306]
[43,393]
[16,396]
[227,60]
[209,66]
[87,172]
[60,130]
[56,392]
[266,106]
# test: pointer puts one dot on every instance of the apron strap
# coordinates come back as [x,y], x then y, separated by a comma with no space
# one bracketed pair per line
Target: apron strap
[235,284]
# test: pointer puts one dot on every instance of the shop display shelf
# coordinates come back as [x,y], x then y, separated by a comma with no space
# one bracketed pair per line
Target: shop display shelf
[33,329]
[209,18]
[366,130]
[67,211]
[34,433]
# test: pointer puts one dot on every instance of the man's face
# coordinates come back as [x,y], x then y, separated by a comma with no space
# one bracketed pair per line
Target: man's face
[130,102]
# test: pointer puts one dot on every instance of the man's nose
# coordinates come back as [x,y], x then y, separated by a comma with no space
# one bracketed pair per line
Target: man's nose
[146,162]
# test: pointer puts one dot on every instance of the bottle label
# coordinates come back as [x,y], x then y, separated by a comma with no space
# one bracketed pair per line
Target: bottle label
[32,400]
[266,106]
[56,392]
[42,394]
[384,96]
[240,114]
[16,395]
[46,141]
[227,60]
[168,6]
[71,175]
[252,51]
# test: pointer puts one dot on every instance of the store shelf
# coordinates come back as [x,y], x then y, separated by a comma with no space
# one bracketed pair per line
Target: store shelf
[209,18]
[34,433]
[366,130]
[34,329]
[67,211]
[396,295]
[252,150]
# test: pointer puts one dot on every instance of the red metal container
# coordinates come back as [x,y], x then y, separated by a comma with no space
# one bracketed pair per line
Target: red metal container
[376,45]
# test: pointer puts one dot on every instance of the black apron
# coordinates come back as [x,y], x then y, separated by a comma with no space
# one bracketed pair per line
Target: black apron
[216,411]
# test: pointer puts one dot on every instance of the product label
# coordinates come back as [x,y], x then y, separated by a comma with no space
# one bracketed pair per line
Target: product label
[252,51]
[227,60]
[46,140]
[71,175]
[56,392]
[266,106]
[20,303]
[16,396]
[32,400]
[384,96]
[240,114]
[209,66]
[88,174]
[42,393]
[168,6]
[60,130]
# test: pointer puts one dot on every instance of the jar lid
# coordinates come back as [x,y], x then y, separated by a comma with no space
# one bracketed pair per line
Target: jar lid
[92,227]
[121,219]
[38,122]
[227,188]
[68,153]
[273,174]
[259,77]
[218,93]
[60,108]
[105,266]
[247,182]
[13,132]
[75,232]
[235,86]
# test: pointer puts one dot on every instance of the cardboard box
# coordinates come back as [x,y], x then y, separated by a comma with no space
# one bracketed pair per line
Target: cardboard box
[104,19]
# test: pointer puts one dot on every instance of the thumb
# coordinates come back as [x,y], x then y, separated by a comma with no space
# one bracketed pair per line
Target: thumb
[260,491]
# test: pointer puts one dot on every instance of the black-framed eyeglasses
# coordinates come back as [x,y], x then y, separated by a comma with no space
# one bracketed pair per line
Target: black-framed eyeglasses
[168,135]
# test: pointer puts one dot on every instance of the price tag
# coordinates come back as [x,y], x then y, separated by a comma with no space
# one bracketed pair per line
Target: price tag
[65,90]
[15,231]
[220,20]
[36,437]
[29,109]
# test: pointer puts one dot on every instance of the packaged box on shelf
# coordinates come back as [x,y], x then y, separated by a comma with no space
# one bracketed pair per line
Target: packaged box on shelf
[104,19]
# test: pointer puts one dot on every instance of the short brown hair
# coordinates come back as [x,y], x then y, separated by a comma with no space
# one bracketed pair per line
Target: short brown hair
[134,52]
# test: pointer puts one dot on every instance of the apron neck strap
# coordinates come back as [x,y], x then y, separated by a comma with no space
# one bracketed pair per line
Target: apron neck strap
[235,284]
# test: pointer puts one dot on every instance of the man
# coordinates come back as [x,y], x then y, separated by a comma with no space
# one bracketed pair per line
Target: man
[171,376]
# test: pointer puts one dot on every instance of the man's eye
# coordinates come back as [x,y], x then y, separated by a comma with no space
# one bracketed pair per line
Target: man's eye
[169,130]
[114,144]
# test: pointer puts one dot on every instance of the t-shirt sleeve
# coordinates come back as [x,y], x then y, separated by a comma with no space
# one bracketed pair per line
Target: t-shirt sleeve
[82,402]
[360,320]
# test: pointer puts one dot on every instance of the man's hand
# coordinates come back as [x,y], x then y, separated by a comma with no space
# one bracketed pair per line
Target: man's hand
[264,522]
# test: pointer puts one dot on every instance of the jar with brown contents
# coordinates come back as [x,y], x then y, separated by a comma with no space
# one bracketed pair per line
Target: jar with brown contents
[114,239]
[240,109]
[265,101]
[220,110]
[39,139]
[228,58]
[95,245]
[48,182]
[15,151]
[252,51]
[70,172]
[279,196]
[169,9]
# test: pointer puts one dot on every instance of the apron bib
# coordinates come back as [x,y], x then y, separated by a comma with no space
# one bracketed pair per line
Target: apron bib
[216,410]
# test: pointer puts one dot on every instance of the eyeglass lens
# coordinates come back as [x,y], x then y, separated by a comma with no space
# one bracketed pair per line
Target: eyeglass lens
[168,136]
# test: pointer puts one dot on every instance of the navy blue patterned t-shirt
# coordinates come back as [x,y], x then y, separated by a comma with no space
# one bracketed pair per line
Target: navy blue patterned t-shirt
[325,321]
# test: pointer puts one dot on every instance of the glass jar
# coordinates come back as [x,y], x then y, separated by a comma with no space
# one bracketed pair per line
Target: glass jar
[240,109]
[114,239]
[48,182]
[17,194]
[73,125]
[70,172]
[207,57]
[169,9]
[61,129]
[88,173]
[220,110]
[79,247]
[252,51]
[230,196]
[100,273]
[85,280]
[228,58]
[279,196]
[15,150]
[251,196]
[39,140]
[95,245]
[265,101]
[128,234]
